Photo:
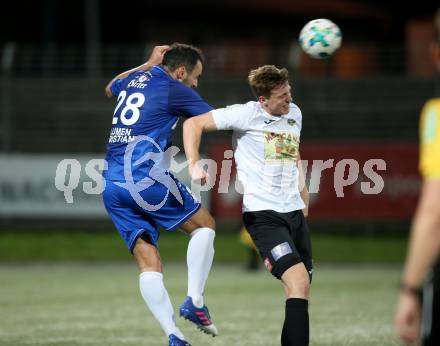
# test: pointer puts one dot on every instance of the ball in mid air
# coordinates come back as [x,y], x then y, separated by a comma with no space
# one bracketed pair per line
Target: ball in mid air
[320,38]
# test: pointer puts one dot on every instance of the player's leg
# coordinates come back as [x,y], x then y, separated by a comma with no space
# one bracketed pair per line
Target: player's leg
[152,287]
[271,233]
[185,212]
[296,323]
[200,254]
[296,280]
[140,235]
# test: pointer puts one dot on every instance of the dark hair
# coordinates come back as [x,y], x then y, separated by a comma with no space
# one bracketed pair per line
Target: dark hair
[181,54]
[266,78]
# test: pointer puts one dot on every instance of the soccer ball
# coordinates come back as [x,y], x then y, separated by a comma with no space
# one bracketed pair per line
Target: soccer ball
[320,38]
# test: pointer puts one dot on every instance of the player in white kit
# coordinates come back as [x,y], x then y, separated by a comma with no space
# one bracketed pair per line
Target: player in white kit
[266,137]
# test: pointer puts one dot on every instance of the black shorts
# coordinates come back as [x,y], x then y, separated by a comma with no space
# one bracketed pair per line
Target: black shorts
[282,239]
[431,308]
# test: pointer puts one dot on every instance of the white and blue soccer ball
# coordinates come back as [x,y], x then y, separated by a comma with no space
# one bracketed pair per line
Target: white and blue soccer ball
[320,38]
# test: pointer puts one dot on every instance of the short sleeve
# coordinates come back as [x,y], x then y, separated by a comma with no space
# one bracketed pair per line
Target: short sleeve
[430,140]
[184,101]
[297,115]
[233,117]
[116,86]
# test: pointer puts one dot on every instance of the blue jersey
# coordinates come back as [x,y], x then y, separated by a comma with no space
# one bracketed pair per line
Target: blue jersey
[148,106]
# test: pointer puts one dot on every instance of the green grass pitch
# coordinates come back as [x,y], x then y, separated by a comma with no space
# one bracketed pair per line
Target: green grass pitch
[99,303]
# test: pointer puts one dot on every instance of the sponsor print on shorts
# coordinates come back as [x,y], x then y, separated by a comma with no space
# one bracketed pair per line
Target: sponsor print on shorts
[281,250]
[280,147]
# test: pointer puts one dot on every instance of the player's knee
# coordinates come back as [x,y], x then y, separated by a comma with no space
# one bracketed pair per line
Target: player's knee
[148,264]
[298,288]
[207,222]
[151,268]
[297,281]
[206,219]
[210,222]
[301,288]
[147,257]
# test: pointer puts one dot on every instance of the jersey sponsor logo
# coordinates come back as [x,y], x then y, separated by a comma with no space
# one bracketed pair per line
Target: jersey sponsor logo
[120,135]
[135,84]
[281,250]
[280,147]
[143,78]
[138,82]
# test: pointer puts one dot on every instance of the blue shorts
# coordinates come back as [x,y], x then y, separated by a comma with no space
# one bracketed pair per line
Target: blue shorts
[143,212]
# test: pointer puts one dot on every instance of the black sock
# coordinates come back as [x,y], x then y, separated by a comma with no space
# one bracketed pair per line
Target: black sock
[296,324]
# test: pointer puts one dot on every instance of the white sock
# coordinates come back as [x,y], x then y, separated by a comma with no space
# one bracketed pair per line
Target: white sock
[199,260]
[156,296]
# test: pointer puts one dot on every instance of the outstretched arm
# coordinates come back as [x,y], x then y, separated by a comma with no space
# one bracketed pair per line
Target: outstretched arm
[155,58]
[192,134]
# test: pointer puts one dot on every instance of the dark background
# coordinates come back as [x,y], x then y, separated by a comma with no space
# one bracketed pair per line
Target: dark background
[57,56]
[201,21]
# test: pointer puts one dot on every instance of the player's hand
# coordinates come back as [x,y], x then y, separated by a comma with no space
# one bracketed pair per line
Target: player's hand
[198,174]
[157,54]
[407,319]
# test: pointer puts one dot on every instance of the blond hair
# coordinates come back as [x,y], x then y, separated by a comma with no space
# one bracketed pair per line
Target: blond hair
[266,78]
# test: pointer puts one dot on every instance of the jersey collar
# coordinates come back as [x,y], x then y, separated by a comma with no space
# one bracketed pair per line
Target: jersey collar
[269,116]
[160,68]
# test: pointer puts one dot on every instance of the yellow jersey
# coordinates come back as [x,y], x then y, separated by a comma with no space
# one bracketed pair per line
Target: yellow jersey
[430,140]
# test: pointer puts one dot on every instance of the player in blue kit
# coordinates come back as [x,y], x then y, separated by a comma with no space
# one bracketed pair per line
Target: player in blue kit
[141,194]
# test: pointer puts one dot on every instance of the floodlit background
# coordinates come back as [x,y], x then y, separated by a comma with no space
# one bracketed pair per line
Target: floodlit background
[65,276]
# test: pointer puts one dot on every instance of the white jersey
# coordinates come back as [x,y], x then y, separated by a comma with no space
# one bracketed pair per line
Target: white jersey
[266,151]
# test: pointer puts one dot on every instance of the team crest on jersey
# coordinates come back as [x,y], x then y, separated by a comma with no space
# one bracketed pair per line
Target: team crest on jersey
[139,81]
[143,78]
[291,122]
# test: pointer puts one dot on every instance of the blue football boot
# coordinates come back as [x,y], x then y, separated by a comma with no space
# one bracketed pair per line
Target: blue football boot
[199,316]
[175,341]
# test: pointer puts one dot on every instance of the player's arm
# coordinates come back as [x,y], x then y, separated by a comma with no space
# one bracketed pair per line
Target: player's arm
[304,192]
[155,58]
[192,134]
[424,242]
[424,245]
[423,251]
[229,118]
